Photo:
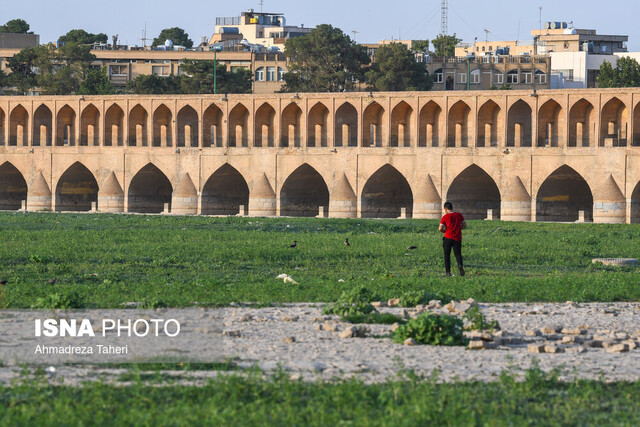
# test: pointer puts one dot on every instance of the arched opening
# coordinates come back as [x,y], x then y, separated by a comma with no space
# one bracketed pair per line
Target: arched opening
[303,193]
[385,193]
[90,126]
[212,127]
[290,126]
[458,125]
[238,126]
[138,119]
[224,192]
[614,124]
[264,130]
[149,191]
[162,129]
[635,205]
[490,125]
[401,125]
[42,126]
[374,132]
[346,126]
[13,188]
[430,117]
[2,141]
[114,126]
[76,190]
[317,126]
[636,126]
[550,125]
[187,127]
[18,122]
[519,131]
[66,127]
[582,124]
[562,195]
[473,192]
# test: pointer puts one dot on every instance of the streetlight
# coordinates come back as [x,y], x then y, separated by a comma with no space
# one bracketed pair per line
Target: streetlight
[215,50]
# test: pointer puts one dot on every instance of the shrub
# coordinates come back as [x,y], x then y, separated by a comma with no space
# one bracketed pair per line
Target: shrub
[59,301]
[373,318]
[413,298]
[474,320]
[432,329]
[352,302]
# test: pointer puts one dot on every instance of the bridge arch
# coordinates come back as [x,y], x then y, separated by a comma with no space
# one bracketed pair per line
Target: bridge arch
[562,195]
[188,130]
[402,125]
[90,126]
[212,127]
[2,127]
[582,124]
[374,132]
[77,188]
[635,205]
[239,126]
[162,127]
[318,125]
[430,125]
[18,125]
[138,118]
[551,125]
[42,126]
[264,129]
[149,190]
[519,130]
[490,125]
[290,134]
[473,192]
[303,192]
[458,135]
[224,192]
[346,126]
[385,193]
[66,126]
[114,126]
[13,187]
[614,123]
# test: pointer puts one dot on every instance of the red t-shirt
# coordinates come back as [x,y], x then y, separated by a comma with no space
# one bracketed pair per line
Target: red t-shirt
[453,223]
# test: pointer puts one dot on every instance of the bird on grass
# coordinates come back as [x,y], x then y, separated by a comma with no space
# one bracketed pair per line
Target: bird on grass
[412,248]
[294,244]
[53,281]
[346,242]
[3,282]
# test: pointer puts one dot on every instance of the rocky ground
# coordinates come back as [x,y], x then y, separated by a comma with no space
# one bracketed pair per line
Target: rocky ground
[591,341]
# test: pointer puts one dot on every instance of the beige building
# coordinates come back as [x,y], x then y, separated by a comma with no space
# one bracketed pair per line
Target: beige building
[553,156]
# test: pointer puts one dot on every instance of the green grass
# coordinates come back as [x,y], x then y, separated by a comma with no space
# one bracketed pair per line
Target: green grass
[180,261]
[538,400]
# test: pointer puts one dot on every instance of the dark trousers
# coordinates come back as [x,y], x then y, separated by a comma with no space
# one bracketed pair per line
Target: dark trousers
[447,245]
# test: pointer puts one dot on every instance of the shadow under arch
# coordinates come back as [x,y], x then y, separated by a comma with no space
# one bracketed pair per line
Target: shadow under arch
[562,195]
[473,192]
[149,190]
[13,188]
[385,193]
[77,188]
[303,192]
[224,192]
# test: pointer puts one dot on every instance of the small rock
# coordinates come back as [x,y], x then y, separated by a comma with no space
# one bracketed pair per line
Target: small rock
[395,326]
[593,343]
[234,334]
[577,349]
[409,341]
[550,348]
[287,318]
[354,331]
[550,329]
[533,333]
[289,340]
[434,304]
[568,339]
[246,318]
[622,336]
[330,326]
[632,344]
[617,348]
[573,331]
[458,307]
[319,328]
[476,344]
[393,302]
[535,348]
[378,304]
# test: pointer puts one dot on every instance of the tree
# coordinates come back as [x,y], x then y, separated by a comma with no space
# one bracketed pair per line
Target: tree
[151,84]
[420,45]
[16,26]
[198,78]
[175,34]
[396,69]
[626,73]
[22,66]
[82,37]
[444,45]
[324,60]
[96,83]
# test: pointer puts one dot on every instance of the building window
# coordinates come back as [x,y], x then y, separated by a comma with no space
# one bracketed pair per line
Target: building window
[475,77]
[281,72]
[483,48]
[541,77]
[512,77]
[260,74]
[499,78]
[462,78]
[490,48]
[528,78]
[118,70]
[438,77]
[271,74]
[157,70]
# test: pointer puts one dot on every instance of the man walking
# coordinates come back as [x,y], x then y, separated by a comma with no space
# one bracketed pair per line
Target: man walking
[452,224]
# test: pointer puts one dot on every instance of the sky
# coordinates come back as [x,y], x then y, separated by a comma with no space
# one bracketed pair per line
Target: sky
[373,20]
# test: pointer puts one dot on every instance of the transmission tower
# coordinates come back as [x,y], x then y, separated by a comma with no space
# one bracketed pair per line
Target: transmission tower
[444,21]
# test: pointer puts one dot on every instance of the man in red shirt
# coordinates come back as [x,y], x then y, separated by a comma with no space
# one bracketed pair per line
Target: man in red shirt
[452,225]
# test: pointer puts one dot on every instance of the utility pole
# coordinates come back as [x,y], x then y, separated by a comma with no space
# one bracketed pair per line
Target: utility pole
[444,17]
[144,36]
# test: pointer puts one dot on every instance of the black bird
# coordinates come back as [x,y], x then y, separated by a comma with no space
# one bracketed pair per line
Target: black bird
[294,244]
[412,248]
[3,282]
[53,281]
[346,242]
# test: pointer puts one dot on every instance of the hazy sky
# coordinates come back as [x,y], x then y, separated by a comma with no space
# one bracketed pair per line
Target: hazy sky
[374,20]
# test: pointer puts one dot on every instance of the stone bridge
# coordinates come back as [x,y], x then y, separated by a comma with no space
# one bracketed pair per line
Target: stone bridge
[545,156]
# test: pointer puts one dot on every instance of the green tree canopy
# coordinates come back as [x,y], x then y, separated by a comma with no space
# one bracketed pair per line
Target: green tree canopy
[22,66]
[150,84]
[82,37]
[420,46]
[96,82]
[17,26]
[396,69]
[324,60]
[444,45]
[626,73]
[175,34]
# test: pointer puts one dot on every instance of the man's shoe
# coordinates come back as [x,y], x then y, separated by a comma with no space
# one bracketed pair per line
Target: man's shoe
[461,270]
[448,274]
